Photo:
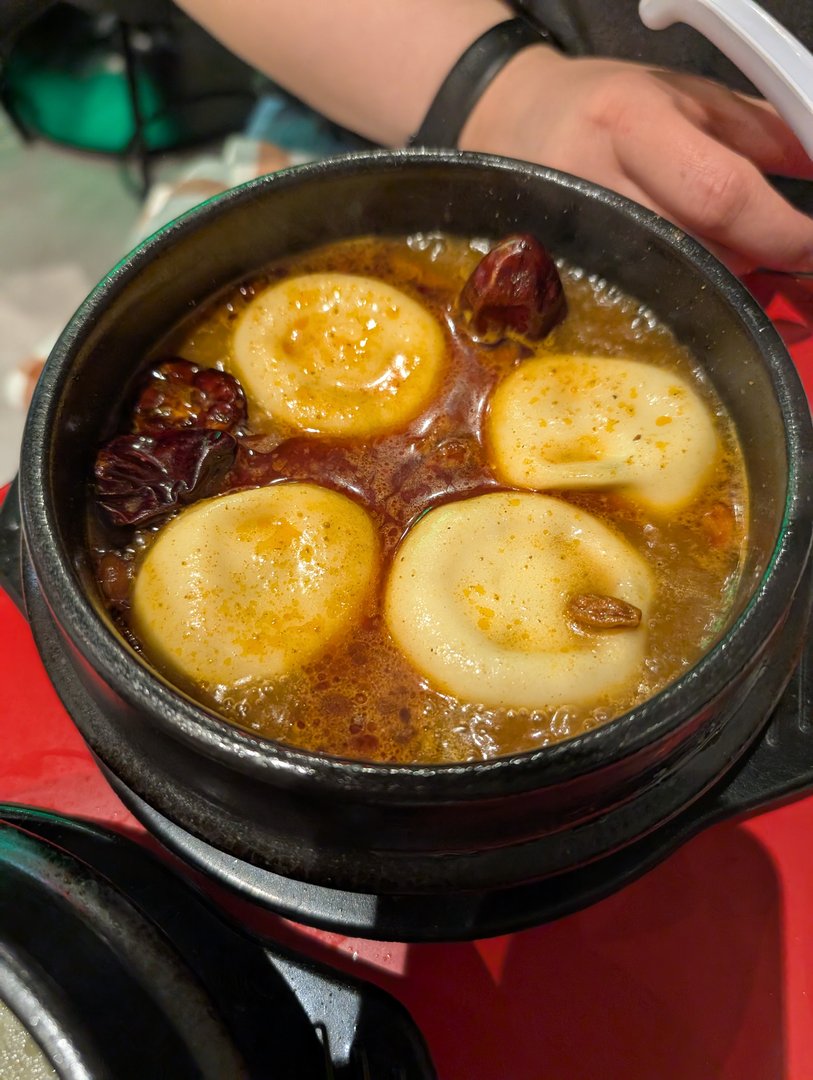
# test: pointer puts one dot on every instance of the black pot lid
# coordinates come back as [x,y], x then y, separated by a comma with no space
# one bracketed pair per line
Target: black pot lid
[120,969]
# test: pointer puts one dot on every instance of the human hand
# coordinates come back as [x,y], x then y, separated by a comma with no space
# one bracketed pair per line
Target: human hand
[686,147]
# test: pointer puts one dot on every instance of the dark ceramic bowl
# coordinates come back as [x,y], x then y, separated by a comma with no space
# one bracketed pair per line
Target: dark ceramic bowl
[121,970]
[420,830]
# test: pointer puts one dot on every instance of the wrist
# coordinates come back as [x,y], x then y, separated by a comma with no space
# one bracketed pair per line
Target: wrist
[468,79]
[495,124]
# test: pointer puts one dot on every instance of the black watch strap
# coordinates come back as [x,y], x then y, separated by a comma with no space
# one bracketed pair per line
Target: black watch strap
[471,75]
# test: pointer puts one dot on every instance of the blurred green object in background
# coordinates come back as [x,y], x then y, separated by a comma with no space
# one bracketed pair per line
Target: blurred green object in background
[66,79]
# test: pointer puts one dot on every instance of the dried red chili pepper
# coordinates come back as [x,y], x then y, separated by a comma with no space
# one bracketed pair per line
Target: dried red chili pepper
[180,395]
[515,288]
[141,477]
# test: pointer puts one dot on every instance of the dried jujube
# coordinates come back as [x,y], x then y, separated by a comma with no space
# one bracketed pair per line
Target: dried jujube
[515,288]
[142,477]
[180,395]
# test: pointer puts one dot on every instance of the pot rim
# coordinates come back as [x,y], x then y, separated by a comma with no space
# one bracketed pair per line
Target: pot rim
[184,720]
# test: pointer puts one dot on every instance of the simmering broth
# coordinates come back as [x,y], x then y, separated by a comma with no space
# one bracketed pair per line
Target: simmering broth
[362,696]
[20,1055]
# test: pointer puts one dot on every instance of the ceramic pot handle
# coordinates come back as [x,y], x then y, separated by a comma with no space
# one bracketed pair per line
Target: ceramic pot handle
[779,766]
[11,575]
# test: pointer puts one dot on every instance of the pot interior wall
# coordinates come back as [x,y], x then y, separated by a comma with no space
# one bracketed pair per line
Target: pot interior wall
[205,252]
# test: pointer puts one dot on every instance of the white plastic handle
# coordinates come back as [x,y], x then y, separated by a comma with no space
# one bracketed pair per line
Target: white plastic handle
[774,60]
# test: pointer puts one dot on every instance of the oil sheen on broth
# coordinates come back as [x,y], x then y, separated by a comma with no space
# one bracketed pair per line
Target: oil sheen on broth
[362,697]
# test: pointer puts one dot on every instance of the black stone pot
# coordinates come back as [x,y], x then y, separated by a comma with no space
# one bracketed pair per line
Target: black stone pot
[430,845]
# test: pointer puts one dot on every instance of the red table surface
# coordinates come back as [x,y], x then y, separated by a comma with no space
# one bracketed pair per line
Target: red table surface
[701,970]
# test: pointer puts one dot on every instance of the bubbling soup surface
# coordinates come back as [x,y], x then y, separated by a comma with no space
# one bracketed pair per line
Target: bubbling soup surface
[20,1055]
[365,696]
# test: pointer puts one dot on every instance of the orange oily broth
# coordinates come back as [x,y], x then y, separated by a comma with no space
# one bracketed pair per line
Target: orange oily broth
[363,699]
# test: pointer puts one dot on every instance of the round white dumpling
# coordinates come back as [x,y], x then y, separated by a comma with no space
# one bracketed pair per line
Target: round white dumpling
[479,599]
[568,422]
[338,354]
[256,583]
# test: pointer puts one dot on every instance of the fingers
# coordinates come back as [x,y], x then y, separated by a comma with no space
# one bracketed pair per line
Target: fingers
[736,262]
[747,125]
[714,192]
